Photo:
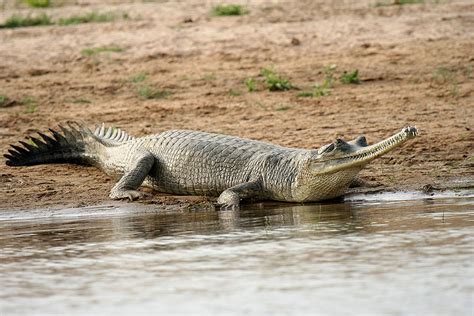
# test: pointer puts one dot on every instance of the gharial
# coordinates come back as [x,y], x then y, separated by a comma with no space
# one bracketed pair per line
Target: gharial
[199,163]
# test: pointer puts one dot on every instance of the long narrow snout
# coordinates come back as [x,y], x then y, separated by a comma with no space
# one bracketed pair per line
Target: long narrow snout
[364,155]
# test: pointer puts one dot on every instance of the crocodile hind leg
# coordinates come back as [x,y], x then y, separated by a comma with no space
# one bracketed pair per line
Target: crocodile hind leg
[135,173]
[232,196]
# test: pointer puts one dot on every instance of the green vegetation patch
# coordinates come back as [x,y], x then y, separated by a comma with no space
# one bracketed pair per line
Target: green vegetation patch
[209,77]
[38,3]
[3,100]
[81,101]
[24,21]
[274,81]
[447,79]
[402,2]
[283,107]
[138,78]
[398,2]
[228,10]
[17,20]
[97,50]
[323,89]
[147,93]
[250,84]
[235,93]
[319,90]
[350,77]
[91,17]
[31,105]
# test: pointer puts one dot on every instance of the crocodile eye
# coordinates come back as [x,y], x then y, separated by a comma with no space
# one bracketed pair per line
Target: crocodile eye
[340,143]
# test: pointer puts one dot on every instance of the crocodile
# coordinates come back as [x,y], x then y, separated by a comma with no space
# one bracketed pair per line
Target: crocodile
[186,162]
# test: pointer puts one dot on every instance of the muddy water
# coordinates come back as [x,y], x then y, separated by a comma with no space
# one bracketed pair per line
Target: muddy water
[386,254]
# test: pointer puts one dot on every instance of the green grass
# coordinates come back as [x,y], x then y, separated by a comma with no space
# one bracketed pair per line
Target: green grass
[17,20]
[323,89]
[138,78]
[319,90]
[91,17]
[403,2]
[32,105]
[97,50]
[250,84]
[283,107]
[228,10]
[398,2]
[443,75]
[38,3]
[209,77]
[235,93]
[147,93]
[447,78]
[329,74]
[81,101]
[274,81]
[3,100]
[350,77]
[25,21]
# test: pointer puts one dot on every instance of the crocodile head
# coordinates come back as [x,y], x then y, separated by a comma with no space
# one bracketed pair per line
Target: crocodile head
[332,168]
[341,155]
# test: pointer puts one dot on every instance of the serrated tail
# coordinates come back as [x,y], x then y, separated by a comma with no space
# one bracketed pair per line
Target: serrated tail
[67,144]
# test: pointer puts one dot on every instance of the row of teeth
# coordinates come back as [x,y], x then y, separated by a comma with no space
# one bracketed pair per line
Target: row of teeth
[388,144]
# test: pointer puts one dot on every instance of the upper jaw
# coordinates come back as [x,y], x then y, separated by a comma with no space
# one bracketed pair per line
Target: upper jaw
[362,155]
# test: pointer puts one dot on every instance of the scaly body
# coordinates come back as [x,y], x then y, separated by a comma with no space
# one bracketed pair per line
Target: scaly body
[199,163]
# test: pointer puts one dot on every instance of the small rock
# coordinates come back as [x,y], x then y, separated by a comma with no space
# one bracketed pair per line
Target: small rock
[427,188]
[295,41]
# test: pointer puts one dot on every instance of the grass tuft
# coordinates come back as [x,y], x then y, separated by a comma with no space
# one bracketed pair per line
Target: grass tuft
[32,105]
[228,10]
[235,93]
[250,84]
[350,77]
[324,89]
[147,93]
[3,100]
[138,78]
[97,50]
[17,20]
[81,101]
[274,81]
[209,77]
[91,17]
[319,90]
[447,78]
[398,2]
[403,2]
[25,21]
[38,3]
[283,107]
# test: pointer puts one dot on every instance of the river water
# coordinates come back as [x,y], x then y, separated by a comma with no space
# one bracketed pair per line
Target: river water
[388,254]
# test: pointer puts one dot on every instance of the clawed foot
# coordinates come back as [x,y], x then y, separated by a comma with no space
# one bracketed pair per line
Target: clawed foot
[228,207]
[131,195]
[228,201]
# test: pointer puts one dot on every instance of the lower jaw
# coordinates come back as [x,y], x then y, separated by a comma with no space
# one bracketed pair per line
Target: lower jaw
[325,186]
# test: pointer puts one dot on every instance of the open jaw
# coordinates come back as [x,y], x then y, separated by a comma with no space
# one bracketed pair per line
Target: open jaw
[359,156]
